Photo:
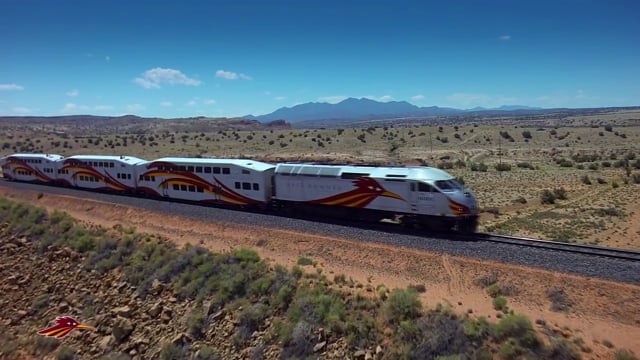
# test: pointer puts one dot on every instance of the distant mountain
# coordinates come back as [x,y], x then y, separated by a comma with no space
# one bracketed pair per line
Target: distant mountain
[366,109]
[351,109]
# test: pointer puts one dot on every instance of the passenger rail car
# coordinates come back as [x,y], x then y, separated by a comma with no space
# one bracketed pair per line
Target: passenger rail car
[218,181]
[414,196]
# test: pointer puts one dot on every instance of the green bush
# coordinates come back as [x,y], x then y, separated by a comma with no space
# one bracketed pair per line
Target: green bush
[402,305]
[500,303]
[519,328]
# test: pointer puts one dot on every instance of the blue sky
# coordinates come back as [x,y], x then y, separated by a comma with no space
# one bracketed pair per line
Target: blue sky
[232,58]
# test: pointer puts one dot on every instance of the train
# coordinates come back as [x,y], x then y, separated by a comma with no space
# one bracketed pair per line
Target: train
[415,196]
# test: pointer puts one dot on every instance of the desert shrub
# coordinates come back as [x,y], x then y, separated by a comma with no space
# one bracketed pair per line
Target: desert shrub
[547,197]
[560,193]
[299,343]
[500,303]
[624,354]
[601,181]
[525,165]
[519,328]
[305,261]
[526,134]
[635,178]
[171,351]
[402,305]
[503,167]
[608,128]
[610,211]
[196,323]
[207,353]
[605,164]
[486,280]
[559,301]
[585,180]
[66,353]
[593,166]
[561,349]
[481,167]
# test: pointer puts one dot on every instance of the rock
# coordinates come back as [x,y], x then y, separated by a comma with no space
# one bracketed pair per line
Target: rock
[156,286]
[122,328]
[181,339]
[378,350]
[124,311]
[166,314]
[21,314]
[368,356]
[359,355]
[319,346]
[104,343]
[155,310]
[217,315]
[63,307]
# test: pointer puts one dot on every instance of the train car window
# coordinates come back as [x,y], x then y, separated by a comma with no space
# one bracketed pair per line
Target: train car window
[245,171]
[414,187]
[246,186]
[176,187]
[118,175]
[226,171]
[422,187]
[190,168]
[207,170]
[111,165]
[101,164]
[200,189]
[183,187]
[350,175]
[129,176]
[216,170]
[237,184]
[141,177]
[153,178]
[256,186]
[182,168]
[198,169]
[192,188]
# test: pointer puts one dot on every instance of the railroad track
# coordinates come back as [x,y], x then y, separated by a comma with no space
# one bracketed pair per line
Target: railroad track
[567,247]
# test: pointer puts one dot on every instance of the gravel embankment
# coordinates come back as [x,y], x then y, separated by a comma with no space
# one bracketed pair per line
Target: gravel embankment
[592,266]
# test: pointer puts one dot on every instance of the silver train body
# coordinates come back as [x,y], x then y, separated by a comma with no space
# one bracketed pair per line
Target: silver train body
[415,196]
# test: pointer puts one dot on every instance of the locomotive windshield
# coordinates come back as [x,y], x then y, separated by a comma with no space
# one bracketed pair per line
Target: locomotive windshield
[449,185]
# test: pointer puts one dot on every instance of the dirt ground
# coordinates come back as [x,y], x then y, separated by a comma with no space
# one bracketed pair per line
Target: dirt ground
[599,313]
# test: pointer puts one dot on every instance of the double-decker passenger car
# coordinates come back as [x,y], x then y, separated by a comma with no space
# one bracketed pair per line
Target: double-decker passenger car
[223,181]
[422,196]
[31,167]
[100,172]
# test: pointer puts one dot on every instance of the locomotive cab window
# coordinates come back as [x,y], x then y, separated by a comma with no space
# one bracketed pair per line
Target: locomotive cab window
[422,187]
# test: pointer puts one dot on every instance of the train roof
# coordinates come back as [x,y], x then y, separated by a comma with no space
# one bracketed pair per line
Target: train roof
[131,160]
[378,172]
[52,157]
[246,163]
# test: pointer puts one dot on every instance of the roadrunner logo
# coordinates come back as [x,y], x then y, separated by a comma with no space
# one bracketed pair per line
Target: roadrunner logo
[64,325]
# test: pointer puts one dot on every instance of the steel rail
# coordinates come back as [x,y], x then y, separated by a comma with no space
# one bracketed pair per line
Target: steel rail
[586,249]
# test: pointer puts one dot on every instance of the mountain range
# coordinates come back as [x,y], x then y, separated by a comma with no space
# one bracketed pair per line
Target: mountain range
[366,109]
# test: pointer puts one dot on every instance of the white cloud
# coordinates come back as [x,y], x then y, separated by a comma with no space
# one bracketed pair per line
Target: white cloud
[384,98]
[102,107]
[21,110]
[209,101]
[69,107]
[191,103]
[135,108]
[332,99]
[230,75]
[10,87]
[166,104]
[505,37]
[73,93]
[417,97]
[280,98]
[152,79]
